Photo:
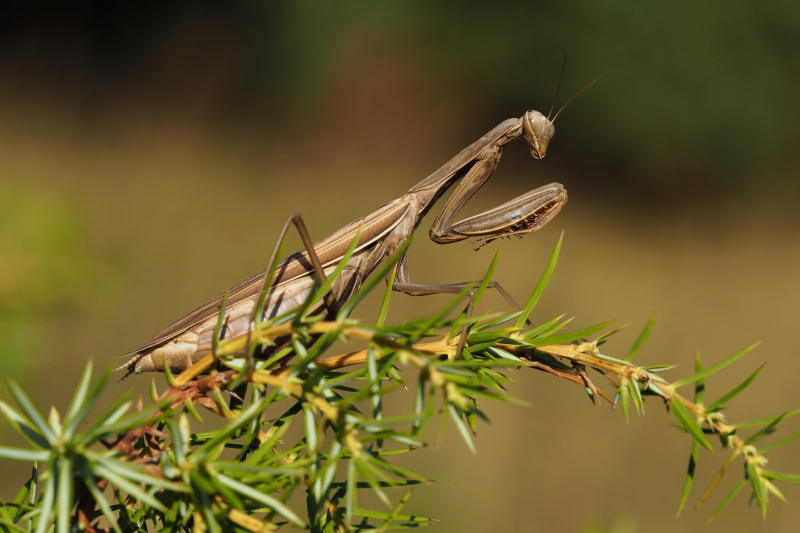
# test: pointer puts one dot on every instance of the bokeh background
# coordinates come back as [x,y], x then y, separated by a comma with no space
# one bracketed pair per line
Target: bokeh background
[149,152]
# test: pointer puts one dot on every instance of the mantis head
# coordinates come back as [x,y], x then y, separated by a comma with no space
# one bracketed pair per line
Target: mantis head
[538,131]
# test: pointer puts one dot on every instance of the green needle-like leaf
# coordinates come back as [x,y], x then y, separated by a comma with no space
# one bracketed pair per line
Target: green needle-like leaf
[21,454]
[331,279]
[541,285]
[132,472]
[32,412]
[624,400]
[546,329]
[759,490]
[79,407]
[569,337]
[487,278]
[46,507]
[113,415]
[462,427]
[716,405]
[368,473]
[64,497]
[131,488]
[689,481]
[151,414]
[771,474]
[271,271]
[714,368]
[769,428]
[636,394]
[739,486]
[700,384]
[265,499]
[351,480]
[102,501]
[387,296]
[689,423]
[787,440]
[27,492]
[762,421]
[640,340]
[215,340]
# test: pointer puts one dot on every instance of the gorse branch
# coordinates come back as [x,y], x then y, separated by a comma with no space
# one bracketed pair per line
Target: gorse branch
[306,424]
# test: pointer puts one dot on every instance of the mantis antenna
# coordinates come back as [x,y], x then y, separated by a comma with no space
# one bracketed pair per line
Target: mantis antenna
[598,78]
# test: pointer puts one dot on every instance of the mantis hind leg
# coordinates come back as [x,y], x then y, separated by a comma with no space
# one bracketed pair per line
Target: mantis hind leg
[403,284]
[319,274]
[295,219]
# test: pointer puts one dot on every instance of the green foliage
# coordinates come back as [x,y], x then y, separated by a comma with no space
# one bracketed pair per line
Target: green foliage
[307,425]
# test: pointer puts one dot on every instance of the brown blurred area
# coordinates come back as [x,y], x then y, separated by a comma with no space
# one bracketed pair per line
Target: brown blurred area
[150,152]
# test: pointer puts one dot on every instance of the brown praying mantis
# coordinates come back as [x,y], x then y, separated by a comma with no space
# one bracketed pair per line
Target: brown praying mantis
[379,235]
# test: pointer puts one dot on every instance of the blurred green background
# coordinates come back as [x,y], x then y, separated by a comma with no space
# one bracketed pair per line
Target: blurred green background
[149,152]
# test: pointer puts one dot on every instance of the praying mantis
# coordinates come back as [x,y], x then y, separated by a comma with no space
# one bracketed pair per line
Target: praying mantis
[380,234]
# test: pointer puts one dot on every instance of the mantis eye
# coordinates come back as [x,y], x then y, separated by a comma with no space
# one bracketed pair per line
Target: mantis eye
[538,131]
